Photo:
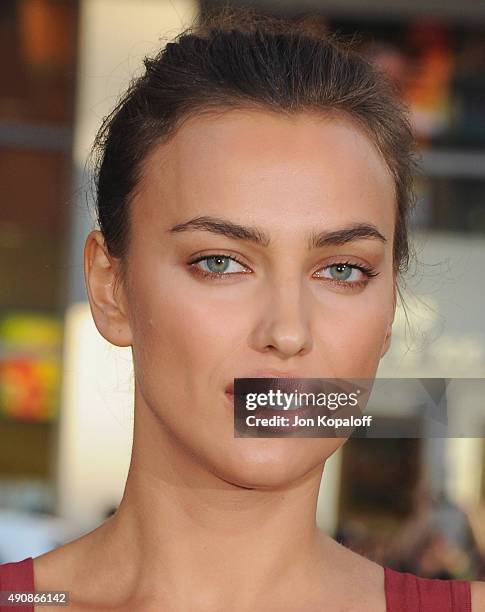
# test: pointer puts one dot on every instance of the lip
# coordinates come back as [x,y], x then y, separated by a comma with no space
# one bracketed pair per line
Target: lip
[302,411]
[269,373]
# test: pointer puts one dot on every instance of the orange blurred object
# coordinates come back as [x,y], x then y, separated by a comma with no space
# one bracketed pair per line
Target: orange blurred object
[46,29]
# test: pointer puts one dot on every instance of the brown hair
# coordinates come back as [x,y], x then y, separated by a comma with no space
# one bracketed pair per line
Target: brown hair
[240,58]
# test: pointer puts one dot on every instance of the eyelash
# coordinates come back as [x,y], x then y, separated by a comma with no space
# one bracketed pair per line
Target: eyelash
[367,270]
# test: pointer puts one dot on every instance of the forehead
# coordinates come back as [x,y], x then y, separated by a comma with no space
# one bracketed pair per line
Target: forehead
[259,163]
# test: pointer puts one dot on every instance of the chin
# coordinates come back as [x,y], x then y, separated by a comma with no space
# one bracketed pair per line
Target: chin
[259,463]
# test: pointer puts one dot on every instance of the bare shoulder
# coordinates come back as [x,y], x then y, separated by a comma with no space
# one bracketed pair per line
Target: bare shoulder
[359,577]
[87,569]
[478,594]
[355,562]
[58,568]
[54,569]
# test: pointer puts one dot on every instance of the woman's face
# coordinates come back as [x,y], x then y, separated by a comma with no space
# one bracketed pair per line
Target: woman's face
[272,303]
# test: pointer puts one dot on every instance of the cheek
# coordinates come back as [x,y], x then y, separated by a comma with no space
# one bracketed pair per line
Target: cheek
[170,332]
[353,330]
[182,335]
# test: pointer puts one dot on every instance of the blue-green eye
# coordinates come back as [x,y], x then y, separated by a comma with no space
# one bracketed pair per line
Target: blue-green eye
[348,275]
[341,271]
[217,265]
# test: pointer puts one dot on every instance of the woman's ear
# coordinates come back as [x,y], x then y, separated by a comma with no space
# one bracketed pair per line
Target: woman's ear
[107,302]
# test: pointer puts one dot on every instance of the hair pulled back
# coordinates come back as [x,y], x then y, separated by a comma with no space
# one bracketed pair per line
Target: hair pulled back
[239,58]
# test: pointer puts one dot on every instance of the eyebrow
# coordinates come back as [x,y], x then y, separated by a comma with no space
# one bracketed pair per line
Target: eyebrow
[229,229]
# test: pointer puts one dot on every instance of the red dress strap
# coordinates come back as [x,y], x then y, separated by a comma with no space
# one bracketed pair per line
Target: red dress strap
[17,576]
[407,592]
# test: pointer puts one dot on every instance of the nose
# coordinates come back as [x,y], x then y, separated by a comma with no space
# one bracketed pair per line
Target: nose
[283,327]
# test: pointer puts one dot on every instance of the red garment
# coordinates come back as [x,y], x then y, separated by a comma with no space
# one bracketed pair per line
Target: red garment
[17,576]
[404,592]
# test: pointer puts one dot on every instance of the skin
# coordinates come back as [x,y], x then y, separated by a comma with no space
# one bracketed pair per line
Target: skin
[202,510]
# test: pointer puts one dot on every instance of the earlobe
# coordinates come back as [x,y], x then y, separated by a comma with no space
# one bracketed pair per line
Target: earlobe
[106,305]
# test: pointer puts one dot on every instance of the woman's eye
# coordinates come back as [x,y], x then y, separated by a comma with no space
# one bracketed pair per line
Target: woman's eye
[342,272]
[217,265]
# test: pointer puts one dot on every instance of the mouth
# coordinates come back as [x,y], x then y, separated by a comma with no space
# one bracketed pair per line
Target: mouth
[292,407]
[284,382]
[270,375]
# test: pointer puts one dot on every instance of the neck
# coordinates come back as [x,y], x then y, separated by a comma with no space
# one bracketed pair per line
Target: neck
[186,534]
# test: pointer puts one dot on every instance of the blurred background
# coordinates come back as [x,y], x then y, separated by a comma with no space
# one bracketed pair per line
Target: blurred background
[66,394]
